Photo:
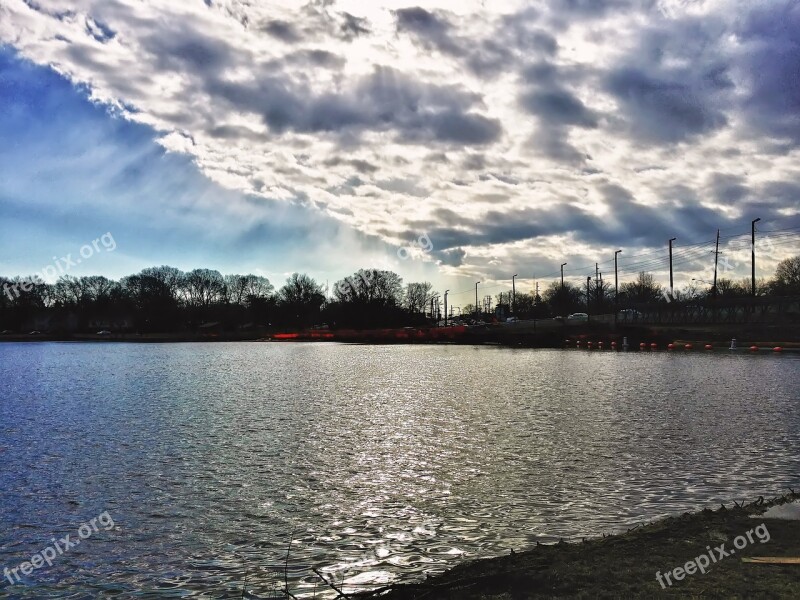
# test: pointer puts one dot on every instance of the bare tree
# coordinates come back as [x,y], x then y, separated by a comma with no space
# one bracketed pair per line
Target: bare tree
[370,286]
[416,296]
[301,290]
[204,287]
[787,277]
[242,289]
[643,289]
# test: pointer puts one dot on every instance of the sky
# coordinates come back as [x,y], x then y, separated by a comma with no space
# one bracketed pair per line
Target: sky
[448,141]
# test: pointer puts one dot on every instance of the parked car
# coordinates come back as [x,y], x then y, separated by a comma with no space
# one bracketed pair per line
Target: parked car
[34,332]
[578,317]
[630,313]
[512,320]
[104,332]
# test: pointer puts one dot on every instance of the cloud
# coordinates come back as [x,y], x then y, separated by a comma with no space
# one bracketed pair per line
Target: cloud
[769,66]
[665,109]
[282,30]
[433,30]
[498,126]
[559,107]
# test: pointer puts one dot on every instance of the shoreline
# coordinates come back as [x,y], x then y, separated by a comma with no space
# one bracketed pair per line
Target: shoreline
[523,334]
[765,346]
[627,564]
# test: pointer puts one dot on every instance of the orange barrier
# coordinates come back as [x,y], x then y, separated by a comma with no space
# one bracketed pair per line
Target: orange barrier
[286,336]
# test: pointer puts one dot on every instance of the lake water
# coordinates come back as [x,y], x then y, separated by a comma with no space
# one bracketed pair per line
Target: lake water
[378,462]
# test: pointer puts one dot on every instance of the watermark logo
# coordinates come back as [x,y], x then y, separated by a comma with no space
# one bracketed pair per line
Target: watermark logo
[713,556]
[59,547]
[61,265]
[422,243]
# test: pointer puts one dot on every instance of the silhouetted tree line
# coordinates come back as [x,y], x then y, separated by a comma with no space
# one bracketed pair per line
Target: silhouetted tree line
[166,299]
[600,298]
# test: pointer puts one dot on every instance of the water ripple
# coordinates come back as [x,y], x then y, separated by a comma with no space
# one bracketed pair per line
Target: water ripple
[373,464]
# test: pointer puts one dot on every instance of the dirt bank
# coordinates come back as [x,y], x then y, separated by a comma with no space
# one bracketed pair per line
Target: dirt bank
[625,566]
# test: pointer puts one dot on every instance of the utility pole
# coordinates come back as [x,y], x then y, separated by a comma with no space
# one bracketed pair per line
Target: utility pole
[562,276]
[476,296]
[753,255]
[600,293]
[513,295]
[596,278]
[445,307]
[716,259]
[671,286]
[616,286]
[588,283]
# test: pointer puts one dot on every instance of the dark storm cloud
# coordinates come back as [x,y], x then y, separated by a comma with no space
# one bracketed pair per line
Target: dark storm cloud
[362,166]
[183,48]
[770,200]
[546,95]
[474,162]
[627,222]
[421,21]
[61,15]
[283,30]
[728,188]
[553,143]
[663,109]
[233,132]
[431,29]
[313,58]
[675,83]
[450,258]
[315,22]
[498,52]
[352,27]
[596,8]
[386,100]
[771,67]
[558,107]
[680,215]
[99,30]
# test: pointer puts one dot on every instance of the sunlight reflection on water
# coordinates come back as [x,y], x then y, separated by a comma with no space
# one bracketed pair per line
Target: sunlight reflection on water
[380,462]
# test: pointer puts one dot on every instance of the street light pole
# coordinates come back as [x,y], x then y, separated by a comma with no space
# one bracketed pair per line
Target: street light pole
[476,296]
[616,286]
[445,307]
[716,261]
[753,254]
[588,283]
[513,295]
[562,275]
[671,286]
